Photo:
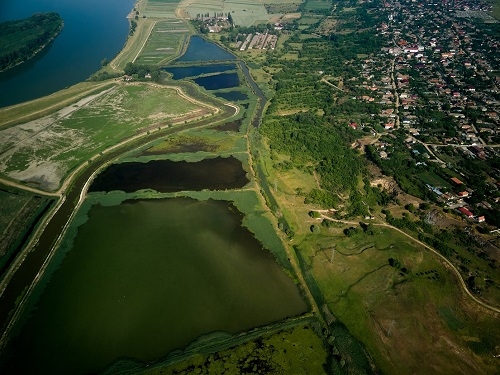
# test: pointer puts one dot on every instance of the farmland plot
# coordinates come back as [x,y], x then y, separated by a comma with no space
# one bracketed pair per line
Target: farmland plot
[160,8]
[42,152]
[164,42]
[243,12]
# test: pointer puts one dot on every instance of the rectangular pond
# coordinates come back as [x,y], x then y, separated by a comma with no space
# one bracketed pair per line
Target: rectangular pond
[171,176]
[200,49]
[218,81]
[143,278]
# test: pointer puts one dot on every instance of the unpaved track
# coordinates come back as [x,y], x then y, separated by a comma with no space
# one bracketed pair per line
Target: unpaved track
[444,259]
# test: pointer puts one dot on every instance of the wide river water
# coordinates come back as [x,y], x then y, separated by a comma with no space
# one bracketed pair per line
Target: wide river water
[93,30]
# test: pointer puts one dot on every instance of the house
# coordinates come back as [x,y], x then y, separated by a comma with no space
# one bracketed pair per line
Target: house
[466,212]
[456,181]
[480,219]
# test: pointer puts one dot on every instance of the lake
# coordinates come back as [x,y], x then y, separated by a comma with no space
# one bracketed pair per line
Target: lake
[201,50]
[146,277]
[232,95]
[167,176]
[93,30]
[218,81]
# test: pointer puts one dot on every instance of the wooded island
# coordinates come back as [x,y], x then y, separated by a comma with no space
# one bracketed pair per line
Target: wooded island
[22,39]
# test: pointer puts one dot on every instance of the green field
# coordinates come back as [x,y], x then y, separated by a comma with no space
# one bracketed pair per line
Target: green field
[243,12]
[42,152]
[160,8]
[381,303]
[164,43]
[433,180]
[312,5]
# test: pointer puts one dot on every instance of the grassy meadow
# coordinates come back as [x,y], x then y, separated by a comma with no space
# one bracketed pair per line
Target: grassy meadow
[244,12]
[391,292]
[42,152]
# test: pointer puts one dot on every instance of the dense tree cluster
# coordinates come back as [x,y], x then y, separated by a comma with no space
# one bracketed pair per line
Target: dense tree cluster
[22,39]
[311,141]
[140,72]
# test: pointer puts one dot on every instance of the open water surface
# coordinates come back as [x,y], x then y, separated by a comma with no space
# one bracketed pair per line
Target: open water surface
[200,49]
[167,176]
[218,81]
[146,277]
[93,30]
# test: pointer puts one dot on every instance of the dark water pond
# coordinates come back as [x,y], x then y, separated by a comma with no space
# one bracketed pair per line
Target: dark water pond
[93,30]
[219,81]
[181,72]
[144,278]
[168,176]
[201,50]
[232,95]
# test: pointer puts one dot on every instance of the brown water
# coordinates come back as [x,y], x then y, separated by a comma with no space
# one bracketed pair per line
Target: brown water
[146,277]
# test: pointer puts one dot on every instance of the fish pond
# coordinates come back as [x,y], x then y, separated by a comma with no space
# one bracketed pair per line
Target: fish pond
[143,278]
[232,95]
[201,50]
[169,176]
[218,81]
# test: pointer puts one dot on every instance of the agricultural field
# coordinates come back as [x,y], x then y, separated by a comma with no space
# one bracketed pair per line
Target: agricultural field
[42,152]
[164,43]
[433,180]
[243,12]
[318,5]
[381,284]
[160,8]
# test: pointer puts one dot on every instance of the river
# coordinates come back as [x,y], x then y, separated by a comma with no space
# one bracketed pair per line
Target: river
[93,30]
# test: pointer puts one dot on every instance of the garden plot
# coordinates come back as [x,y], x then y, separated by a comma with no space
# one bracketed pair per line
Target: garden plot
[42,152]
[243,12]
[164,42]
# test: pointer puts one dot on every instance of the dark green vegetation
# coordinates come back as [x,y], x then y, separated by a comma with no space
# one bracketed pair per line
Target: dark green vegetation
[22,39]
[318,137]
[297,350]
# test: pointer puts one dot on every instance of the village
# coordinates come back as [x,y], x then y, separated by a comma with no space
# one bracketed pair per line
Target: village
[440,102]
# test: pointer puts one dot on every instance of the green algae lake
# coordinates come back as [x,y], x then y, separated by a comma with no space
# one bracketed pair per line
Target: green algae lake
[145,277]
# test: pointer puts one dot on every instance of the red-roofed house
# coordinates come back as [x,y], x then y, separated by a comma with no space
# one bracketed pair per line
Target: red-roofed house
[466,212]
[457,181]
